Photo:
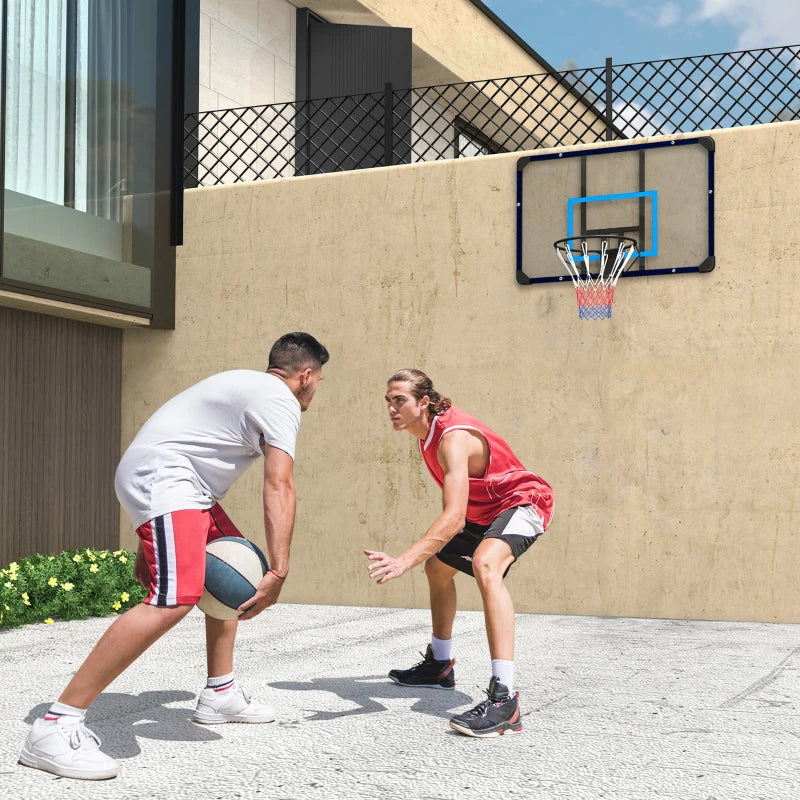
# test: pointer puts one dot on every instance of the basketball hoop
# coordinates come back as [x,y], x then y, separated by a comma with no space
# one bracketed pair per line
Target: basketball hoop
[594,283]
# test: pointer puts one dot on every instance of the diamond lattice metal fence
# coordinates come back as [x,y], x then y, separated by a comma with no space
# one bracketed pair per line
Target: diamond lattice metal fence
[579,106]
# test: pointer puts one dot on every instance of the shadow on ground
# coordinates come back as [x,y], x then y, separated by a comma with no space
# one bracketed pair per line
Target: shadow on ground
[366,691]
[119,719]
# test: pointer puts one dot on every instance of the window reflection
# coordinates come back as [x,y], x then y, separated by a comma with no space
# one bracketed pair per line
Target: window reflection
[82,170]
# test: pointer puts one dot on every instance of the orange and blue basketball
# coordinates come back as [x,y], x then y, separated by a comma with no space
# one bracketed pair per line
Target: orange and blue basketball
[234,568]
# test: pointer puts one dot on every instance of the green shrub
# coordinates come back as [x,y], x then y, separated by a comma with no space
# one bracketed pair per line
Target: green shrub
[75,584]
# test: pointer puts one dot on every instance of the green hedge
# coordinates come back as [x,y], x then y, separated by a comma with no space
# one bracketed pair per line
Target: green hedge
[75,584]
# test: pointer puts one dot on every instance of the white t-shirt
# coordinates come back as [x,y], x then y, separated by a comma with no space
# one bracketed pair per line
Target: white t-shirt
[197,444]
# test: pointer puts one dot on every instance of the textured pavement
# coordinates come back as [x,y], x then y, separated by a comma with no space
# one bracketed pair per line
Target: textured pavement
[612,708]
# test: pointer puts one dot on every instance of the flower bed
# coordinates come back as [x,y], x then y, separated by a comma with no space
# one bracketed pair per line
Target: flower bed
[75,584]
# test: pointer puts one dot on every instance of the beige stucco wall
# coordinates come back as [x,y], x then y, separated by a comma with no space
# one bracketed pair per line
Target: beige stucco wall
[669,432]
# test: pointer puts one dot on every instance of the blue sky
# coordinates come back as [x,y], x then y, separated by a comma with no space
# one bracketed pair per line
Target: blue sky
[586,32]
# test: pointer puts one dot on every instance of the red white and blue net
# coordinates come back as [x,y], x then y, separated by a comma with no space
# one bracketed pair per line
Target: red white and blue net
[593,279]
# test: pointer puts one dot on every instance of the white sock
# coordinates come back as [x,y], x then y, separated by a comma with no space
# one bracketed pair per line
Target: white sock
[221,683]
[504,672]
[441,648]
[57,710]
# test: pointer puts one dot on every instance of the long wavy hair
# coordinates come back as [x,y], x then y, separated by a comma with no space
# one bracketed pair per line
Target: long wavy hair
[421,385]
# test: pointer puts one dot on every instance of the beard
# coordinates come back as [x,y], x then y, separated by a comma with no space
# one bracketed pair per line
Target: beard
[304,397]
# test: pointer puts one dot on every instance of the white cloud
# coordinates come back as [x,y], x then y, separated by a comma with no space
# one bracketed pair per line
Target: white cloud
[634,120]
[766,23]
[662,15]
[759,23]
[668,15]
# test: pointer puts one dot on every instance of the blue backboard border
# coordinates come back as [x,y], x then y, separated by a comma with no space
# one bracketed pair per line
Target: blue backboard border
[705,266]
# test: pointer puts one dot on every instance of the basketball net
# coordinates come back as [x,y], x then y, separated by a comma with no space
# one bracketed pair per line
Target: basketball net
[595,292]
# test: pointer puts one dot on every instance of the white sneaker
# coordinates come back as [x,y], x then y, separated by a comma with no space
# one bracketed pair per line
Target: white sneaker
[230,705]
[68,748]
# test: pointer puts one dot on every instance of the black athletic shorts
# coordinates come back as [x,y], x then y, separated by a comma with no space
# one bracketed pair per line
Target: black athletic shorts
[519,527]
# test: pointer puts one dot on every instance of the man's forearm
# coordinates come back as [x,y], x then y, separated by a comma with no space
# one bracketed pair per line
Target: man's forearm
[436,537]
[279,513]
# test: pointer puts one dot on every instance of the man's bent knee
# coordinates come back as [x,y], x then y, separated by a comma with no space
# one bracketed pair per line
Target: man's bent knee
[486,569]
[491,566]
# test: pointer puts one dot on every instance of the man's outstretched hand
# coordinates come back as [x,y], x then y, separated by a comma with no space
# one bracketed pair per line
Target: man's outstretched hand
[383,568]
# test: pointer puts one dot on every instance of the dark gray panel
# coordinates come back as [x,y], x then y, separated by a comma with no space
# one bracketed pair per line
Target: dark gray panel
[357,59]
[367,69]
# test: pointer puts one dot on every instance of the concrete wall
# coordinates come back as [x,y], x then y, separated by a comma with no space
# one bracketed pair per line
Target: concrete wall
[668,433]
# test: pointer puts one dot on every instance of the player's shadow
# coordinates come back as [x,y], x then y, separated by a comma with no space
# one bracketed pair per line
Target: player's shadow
[119,719]
[366,691]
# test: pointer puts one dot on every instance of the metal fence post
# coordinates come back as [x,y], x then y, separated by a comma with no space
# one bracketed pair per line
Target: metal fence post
[609,102]
[388,126]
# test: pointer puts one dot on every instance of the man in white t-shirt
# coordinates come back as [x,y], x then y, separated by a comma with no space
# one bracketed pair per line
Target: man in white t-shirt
[170,481]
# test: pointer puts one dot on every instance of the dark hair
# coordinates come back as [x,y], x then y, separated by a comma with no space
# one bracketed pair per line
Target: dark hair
[422,385]
[294,352]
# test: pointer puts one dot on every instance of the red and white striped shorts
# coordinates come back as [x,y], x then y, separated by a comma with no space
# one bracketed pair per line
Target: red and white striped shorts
[174,547]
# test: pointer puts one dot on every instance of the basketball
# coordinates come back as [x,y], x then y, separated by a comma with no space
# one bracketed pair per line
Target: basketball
[234,568]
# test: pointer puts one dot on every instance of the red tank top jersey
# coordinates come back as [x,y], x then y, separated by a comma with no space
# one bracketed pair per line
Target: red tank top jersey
[505,485]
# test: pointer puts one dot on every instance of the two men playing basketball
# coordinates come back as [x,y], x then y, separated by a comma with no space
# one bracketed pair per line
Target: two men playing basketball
[183,461]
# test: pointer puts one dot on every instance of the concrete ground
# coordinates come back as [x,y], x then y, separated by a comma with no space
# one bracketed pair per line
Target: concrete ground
[612,708]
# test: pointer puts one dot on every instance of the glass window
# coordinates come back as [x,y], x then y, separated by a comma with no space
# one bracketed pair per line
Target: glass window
[87,104]
[469,141]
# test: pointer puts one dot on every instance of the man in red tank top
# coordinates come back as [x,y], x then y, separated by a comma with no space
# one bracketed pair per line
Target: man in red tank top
[493,510]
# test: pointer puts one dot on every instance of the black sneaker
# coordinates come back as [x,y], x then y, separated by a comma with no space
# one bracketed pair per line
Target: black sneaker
[429,672]
[496,715]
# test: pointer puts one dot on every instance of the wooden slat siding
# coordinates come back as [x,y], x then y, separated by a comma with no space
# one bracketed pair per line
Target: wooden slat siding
[59,434]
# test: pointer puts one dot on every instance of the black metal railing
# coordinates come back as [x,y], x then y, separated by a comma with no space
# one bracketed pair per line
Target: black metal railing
[502,115]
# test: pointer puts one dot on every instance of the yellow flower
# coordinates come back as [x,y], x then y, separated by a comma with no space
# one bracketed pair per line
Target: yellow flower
[104,554]
[25,599]
[67,587]
[48,621]
[125,597]
[94,568]
[52,582]
[116,605]
[113,614]
[123,560]
[50,558]
[13,566]
[8,584]
[77,557]
[117,552]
